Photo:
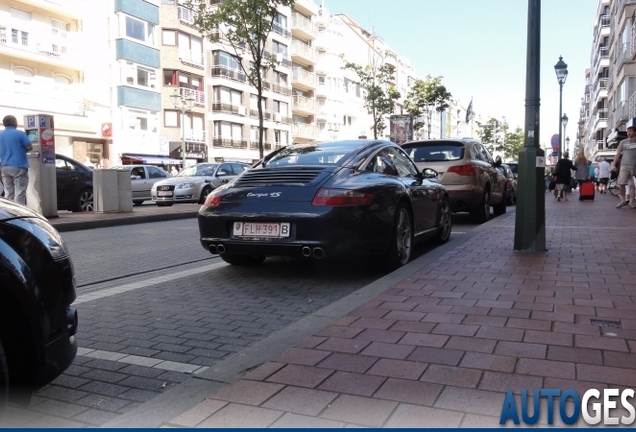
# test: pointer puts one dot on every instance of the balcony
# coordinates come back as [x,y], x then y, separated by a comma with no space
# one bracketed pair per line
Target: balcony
[303,79]
[303,105]
[302,27]
[196,95]
[284,90]
[219,71]
[632,105]
[186,16]
[195,135]
[307,7]
[303,53]
[35,43]
[218,141]
[632,39]
[228,108]
[390,58]
[623,54]
[192,58]
[303,131]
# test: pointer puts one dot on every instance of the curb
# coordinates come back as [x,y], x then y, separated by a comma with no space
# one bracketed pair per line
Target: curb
[62,226]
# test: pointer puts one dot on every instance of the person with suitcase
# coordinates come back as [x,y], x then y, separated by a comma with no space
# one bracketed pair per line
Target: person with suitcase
[562,175]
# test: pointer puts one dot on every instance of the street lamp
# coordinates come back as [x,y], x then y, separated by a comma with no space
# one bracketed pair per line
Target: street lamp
[567,146]
[561,70]
[564,123]
[185,106]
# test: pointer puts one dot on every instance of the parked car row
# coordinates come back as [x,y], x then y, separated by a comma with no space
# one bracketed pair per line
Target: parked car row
[148,183]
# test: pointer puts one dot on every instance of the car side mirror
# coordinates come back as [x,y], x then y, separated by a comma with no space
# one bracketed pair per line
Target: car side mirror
[429,174]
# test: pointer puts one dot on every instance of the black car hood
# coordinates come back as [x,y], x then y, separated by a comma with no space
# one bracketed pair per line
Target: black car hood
[12,210]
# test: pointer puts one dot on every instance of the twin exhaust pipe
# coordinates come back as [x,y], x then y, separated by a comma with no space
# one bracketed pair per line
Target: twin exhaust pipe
[306,251]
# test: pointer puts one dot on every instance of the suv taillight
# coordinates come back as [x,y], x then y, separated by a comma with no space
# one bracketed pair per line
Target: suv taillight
[463,170]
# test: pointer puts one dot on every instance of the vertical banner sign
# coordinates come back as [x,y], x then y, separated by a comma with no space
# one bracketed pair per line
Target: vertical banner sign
[401,128]
[47,139]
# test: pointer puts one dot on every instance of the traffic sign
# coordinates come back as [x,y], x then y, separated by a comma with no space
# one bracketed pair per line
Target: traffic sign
[555,141]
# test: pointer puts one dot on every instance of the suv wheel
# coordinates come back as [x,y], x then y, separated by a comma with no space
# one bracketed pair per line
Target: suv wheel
[499,209]
[481,213]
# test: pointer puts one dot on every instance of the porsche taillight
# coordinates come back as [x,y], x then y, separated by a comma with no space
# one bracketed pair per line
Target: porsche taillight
[462,170]
[213,199]
[340,197]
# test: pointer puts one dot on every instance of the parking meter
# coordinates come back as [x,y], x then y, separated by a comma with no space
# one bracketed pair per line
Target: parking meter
[41,194]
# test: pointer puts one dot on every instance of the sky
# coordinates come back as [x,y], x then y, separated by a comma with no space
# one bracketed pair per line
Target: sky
[480,46]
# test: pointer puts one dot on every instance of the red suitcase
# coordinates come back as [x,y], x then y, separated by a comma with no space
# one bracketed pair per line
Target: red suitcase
[586,191]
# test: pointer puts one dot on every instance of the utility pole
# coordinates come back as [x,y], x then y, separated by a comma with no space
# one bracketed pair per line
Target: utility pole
[530,217]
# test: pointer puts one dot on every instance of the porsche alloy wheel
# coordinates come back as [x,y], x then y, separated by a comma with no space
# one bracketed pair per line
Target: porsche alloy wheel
[401,240]
[445,222]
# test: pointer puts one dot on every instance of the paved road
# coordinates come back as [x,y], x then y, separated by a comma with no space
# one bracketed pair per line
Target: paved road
[155,308]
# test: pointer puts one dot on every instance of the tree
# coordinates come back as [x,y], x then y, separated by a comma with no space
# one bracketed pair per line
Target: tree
[493,135]
[496,136]
[514,144]
[379,97]
[427,95]
[245,25]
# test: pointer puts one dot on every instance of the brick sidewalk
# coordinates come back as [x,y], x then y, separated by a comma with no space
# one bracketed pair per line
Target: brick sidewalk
[442,347]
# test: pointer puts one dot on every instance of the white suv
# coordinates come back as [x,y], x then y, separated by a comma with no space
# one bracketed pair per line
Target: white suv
[468,171]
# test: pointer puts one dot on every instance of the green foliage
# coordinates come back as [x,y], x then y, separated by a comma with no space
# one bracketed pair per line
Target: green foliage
[245,26]
[425,96]
[514,144]
[496,136]
[379,97]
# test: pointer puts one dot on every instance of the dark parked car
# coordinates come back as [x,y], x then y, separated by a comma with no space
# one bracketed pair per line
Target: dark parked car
[341,198]
[74,185]
[511,183]
[37,324]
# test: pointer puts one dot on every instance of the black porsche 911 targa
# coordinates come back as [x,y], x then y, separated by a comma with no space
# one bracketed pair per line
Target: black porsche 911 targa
[319,200]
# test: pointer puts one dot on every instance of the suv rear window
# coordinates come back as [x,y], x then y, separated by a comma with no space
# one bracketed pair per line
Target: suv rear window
[435,153]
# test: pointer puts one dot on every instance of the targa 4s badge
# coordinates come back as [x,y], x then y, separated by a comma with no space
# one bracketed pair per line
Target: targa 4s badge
[264,195]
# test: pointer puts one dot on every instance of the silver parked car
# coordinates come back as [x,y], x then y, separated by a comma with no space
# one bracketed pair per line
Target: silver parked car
[142,178]
[194,183]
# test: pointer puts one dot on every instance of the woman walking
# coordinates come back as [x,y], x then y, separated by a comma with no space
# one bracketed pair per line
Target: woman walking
[562,176]
[581,164]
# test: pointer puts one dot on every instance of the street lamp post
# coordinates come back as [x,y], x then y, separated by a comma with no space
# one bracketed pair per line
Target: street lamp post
[561,69]
[564,123]
[183,104]
[567,146]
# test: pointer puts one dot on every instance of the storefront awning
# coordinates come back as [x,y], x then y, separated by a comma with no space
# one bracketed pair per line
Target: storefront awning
[150,159]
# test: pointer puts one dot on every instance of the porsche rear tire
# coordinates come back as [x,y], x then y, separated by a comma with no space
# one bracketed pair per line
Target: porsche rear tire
[401,243]
[445,222]
[242,260]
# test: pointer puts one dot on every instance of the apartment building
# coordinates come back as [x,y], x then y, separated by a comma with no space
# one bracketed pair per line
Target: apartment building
[599,80]
[185,103]
[43,68]
[621,81]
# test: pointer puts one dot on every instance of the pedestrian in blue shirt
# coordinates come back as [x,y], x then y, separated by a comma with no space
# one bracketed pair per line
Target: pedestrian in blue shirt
[14,145]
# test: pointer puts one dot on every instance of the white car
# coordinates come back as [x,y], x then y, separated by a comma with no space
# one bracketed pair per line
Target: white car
[194,183]
[142,178]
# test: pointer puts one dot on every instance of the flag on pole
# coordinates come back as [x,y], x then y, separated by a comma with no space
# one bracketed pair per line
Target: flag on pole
[469,112]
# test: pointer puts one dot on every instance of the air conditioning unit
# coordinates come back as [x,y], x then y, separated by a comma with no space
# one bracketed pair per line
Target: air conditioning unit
[130,71]
[152,80]
[277,117]
[279,57]
[242,110]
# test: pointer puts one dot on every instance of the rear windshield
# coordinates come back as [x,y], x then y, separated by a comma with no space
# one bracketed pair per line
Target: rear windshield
[310,154]
[436,153]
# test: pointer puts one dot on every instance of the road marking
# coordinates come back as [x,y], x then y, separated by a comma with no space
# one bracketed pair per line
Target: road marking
[108,292]
[142,361]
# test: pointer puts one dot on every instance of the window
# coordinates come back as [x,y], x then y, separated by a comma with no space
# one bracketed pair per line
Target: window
[173,77]
[155,172]
[19,37]
[227,95]
[171,118]
[140,30]
[281,138]
[280,78]
[281,107]
[227,130]
[146,77]
[221,58]
[190,43]
[169,37]
[278,47]
[280,25]
[254,104]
